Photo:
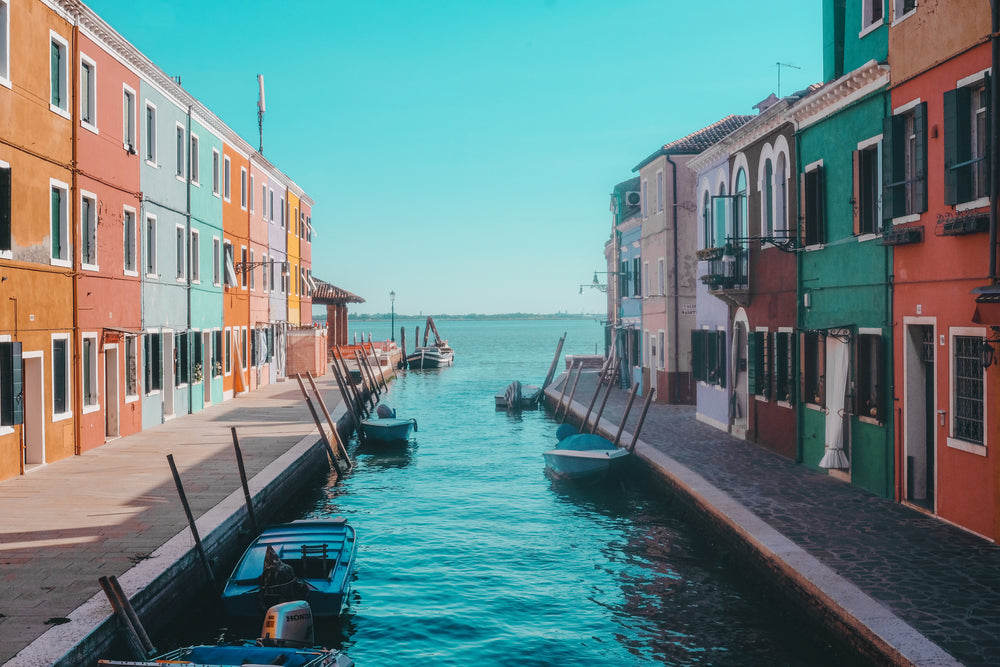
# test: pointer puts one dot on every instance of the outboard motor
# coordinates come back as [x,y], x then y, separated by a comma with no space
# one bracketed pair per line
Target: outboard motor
[384,411]
[288,624]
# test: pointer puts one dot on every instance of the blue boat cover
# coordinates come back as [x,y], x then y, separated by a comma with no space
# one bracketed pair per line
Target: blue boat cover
[249,654]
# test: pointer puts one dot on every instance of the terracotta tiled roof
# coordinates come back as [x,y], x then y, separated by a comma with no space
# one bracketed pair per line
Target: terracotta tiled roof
[696,142]
[327,294]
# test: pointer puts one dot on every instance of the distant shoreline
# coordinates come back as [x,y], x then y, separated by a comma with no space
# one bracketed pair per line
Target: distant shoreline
[505,316]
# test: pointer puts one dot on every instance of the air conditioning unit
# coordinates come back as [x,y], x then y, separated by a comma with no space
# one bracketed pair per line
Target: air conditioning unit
[632,198]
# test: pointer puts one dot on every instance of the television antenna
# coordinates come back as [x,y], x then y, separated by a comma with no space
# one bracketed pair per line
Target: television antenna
[779,65]
[260,111]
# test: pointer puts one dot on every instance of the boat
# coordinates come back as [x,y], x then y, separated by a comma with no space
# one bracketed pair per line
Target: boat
[286,639]
[311,560]
[583,455]
[431,356]
[518,396]
[387,427]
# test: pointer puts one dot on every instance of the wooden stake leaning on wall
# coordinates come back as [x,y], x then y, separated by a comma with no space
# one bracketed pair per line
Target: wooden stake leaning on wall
[345,374]
[194,529]
[555,362]
[607,393]
[572,392]
[319,426]
[135,635]
[593,399]
[243,480]
[642,418]
[349,401]
[371,391]
[385,385]
[371,373]
[562,395]
[333,426]
[628,408]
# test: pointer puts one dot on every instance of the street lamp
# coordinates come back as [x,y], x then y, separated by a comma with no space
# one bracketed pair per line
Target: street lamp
[392,300]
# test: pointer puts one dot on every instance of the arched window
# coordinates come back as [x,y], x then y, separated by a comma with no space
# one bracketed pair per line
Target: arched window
[740,224]
[768,197]
[781,194]
[706,221]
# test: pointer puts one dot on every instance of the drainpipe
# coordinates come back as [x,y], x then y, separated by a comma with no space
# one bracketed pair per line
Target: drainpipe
[796,339]
[676,292]
[187,271]
[74,76]
[994,146]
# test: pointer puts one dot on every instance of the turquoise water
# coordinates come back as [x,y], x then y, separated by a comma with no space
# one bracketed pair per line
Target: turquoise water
[470,555]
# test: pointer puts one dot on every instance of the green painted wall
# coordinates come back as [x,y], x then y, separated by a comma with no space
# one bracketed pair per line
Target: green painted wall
[844,47]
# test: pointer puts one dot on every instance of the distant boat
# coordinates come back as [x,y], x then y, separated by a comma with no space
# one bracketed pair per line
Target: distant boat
[287,638]
[518,396]
[583,455]
[431,356]
[311,560]
[387,427]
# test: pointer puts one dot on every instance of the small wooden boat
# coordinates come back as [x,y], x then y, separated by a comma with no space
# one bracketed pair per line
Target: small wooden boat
[286,639]
[311,560]
[583,455]
[518,396]
[389,429]
[431,356]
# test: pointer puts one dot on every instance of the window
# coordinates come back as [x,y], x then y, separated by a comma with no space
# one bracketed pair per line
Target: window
[181,237]
[904,162]
[58,212]
[645,278]
[263,203]
[251,270]
[179,144]
[150,134]
[659,191]
[194,253]
[243,189]
[229,350]
[271,213]
[151,246]
[228,265]
[781,193]
[642,194]
[661,277]
[62,407]
[153,358]
[812,231]
[272,275]
[814,367]
[88,92]
[902,7]
[5,210]
[88,229]
[706,221]
[263,277]
[867,179]
[783,347]
[131,366]
[243,267]
[128,119]
[251,194]
[59,75]
[195,172]
[217,353]
[243,348]
[723,213]
[767,200]
[5,43]
[869,374]
[88,362]
[309,228]
[872,12]
[216,261]
[968,387]
[11,381]
[215,172]
[227,179]
[636,277]
[759,360]
[966,110]
[281,213]
[708,356]
[181,365]
[663,344]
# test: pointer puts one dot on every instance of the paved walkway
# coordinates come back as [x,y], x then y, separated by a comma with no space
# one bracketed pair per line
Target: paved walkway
[64,525]
[903,573]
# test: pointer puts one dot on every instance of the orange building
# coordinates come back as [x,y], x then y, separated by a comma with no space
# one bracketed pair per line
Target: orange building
[240,258]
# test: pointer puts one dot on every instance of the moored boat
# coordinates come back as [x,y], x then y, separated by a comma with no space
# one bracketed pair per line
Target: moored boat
[311,560]
[389,429]
[583,455]
[431,356]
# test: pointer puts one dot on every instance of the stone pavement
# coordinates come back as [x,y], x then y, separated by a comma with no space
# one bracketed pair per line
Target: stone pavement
[904,574]
[64,525]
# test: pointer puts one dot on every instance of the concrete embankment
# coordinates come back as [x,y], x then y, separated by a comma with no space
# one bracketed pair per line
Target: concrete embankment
[115,511]
[830,550]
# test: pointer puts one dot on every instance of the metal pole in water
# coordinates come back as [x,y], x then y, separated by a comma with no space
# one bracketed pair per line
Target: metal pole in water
[243,482]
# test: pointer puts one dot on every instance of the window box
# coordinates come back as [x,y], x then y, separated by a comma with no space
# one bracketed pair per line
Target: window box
[903,235]
[957,225]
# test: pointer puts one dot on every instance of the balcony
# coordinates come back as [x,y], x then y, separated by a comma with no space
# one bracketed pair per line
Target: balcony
[727,276]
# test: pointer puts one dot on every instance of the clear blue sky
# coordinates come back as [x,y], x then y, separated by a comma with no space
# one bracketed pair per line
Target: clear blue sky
[462,152]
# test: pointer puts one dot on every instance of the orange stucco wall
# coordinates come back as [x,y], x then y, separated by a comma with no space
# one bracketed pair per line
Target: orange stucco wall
[236,299]
[294,258]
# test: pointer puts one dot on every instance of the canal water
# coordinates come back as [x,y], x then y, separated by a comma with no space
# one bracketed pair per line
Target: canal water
[470,555]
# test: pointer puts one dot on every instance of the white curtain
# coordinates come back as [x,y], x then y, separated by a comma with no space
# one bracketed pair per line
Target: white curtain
[837,365]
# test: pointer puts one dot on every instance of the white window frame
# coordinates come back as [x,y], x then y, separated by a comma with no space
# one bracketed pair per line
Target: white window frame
[661,276]
[897,11]
[251,271]
[217,260]
[643,193]
[56,38]
[865,145]
[227,351]
[150,150]
[180,244]
[130,137]
[270,216]
[5,43]
[9,254]
[661,342]
[263,273]
[6,429]
[150,247]
[953,442]
[251,194]
[282,213]
[180,144]
[95,380]
[194,257]
[227,178]
[645,279]
[216,171]
[244,349]
[973,81]
[194,155]
[65,260]
[867,25]
[86,61]
[243,267]
[68,374]
[92,198]
[243,188]
[659,190]
[134,340]
[136,242]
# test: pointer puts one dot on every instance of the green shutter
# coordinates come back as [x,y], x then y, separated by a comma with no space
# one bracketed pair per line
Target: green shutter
[11,401]
[55,65]
[5,209]
[754,366]
[920,139]
[987,83]
[59,376]
[56,224]
[952,146]
[720,357]
[891,165]
[697,355]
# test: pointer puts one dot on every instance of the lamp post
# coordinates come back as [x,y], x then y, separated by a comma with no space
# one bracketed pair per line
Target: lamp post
[392,301]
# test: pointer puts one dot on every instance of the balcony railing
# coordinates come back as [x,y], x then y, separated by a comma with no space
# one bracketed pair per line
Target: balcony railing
[727,267]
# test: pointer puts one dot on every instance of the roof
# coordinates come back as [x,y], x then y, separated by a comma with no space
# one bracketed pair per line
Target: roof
[327,294]
[696,142]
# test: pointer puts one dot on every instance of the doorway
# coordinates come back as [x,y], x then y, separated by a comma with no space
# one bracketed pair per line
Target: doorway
[34,408]
[207,366]
[169,364]
[111,391]
[919,414]
[739,408]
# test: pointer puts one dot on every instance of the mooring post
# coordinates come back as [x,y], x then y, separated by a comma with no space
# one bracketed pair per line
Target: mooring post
[372,392]
[243,481]
[371,374]
[319,426]
[194,529]
[572,392]
[359,406]
[604,401]
[329,419]
[628,408]
[402,348]
[352,409]
[562,394]
[132,633]
[555,361]
[385,385]
[132,616]
[642,418]
[593,400]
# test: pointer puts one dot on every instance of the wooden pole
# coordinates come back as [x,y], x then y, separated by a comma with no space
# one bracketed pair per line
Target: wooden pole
[329,419]
[132,616]
[194,529]
[243,480]
[359,408]
[371,371]
[132,636]
[562,394]
[604,401]
[572,392]
[642,418]
[628,408]
[385,385]
[555,361]
[402,347]
[593,399]
[351,408]
[319,426]
[372,392]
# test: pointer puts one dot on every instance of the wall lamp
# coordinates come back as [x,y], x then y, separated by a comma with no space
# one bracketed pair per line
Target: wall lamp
[240,267]
[598,285]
